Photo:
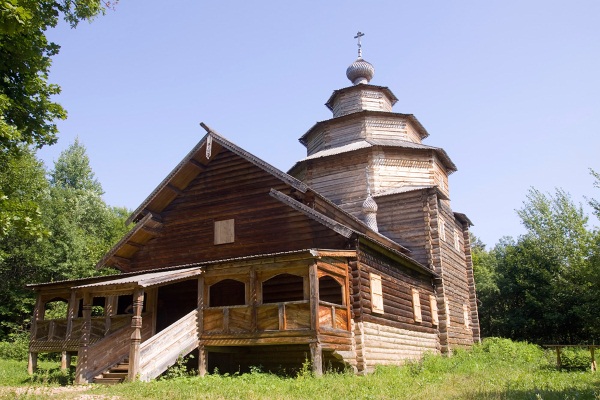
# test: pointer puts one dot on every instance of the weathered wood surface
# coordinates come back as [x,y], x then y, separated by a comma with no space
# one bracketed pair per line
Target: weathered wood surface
[163,349]
[231,188]
[111,350]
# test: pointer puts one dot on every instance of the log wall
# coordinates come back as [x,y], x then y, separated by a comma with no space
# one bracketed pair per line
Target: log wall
[395,335]
[401,218]
[231,188]
[457,289]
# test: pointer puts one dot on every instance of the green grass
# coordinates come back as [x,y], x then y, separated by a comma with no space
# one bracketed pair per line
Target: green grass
[497,369]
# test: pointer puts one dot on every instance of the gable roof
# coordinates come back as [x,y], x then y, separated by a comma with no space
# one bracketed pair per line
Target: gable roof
[147,215]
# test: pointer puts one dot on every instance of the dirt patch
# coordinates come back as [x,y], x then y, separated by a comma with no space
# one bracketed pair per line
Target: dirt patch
[70,392]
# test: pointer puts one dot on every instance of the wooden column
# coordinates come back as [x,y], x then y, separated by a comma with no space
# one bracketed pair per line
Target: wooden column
[82,354]
[316,355]
[38,312]
[253,300]
[65,361]
[71,313]
[558,360]
[592,349]
[314,297]
[202,362]
[136,335]
[110,309]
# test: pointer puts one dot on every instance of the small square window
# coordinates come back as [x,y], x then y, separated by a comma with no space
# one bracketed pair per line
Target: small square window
[224,231]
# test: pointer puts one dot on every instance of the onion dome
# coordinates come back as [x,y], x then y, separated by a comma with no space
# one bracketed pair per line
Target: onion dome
[369,209]
[369,205]
[360,71]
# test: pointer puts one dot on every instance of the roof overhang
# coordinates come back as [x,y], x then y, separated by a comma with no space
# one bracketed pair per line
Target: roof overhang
[383,89]
[362,114]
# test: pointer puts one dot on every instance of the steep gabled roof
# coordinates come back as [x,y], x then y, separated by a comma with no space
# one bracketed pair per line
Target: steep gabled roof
[193,164]
[147,215]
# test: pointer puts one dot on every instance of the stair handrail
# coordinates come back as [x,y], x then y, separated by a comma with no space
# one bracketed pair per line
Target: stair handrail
[163,349]
[111,350]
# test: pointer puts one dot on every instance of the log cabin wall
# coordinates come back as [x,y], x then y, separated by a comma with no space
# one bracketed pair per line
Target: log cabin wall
[394,168]
[456,294]
[230,189]
[401,218]
[359,99]
[394,335]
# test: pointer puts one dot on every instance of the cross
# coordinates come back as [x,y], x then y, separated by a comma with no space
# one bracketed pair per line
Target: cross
[358,36]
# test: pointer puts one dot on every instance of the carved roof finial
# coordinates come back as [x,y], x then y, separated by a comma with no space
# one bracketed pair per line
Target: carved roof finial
[360,71]
[359,34]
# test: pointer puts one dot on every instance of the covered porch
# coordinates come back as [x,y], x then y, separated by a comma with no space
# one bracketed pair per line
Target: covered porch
[237,313]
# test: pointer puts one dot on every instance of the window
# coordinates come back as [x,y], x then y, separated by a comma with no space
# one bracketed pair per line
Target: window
[466,315]
[434,310]
[442,228]
[224,231]
[456,240]
[376,294]
[416,302]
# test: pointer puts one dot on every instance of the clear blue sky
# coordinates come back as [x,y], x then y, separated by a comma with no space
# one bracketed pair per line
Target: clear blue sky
[510,89]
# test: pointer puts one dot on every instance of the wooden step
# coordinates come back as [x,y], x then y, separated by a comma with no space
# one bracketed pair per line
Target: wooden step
[114,375]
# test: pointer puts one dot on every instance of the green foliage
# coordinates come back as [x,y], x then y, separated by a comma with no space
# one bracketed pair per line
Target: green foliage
[543,287]
[496,369]
[180,369]
[27,110]
[65,227]
[595,203]
[578,358]
[15,348]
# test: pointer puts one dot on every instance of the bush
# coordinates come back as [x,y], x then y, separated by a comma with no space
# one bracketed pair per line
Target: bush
[16,348]
[578,358]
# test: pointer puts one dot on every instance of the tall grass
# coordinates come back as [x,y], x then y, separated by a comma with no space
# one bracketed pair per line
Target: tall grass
[496,369]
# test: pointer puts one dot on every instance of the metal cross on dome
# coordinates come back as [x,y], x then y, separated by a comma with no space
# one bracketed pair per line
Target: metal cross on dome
[358,36]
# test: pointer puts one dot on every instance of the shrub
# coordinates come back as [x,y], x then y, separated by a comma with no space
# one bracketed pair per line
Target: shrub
[578,358]
[16,348]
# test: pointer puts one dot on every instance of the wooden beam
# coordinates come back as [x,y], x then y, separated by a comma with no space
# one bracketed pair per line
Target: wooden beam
[174,189]
[197,164]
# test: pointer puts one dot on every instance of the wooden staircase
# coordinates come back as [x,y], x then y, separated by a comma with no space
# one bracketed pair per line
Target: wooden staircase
[116,374]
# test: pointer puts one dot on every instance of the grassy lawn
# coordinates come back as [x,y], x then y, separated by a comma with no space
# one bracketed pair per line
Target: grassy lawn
[498,369]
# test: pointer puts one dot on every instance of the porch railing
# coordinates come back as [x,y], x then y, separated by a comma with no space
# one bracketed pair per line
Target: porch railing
[284,316]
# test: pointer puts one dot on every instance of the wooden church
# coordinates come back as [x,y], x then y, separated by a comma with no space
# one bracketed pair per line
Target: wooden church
[352,259]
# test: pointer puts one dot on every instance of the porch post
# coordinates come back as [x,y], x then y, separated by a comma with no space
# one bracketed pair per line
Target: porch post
[65,360]
[82,354]
[32,356]
[316,353]
[136,335]
[202,362]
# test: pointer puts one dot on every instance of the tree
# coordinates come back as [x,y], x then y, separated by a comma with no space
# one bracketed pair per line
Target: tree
[547,280]
[27,110]
[74,228]
[594,203]
[23,191]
